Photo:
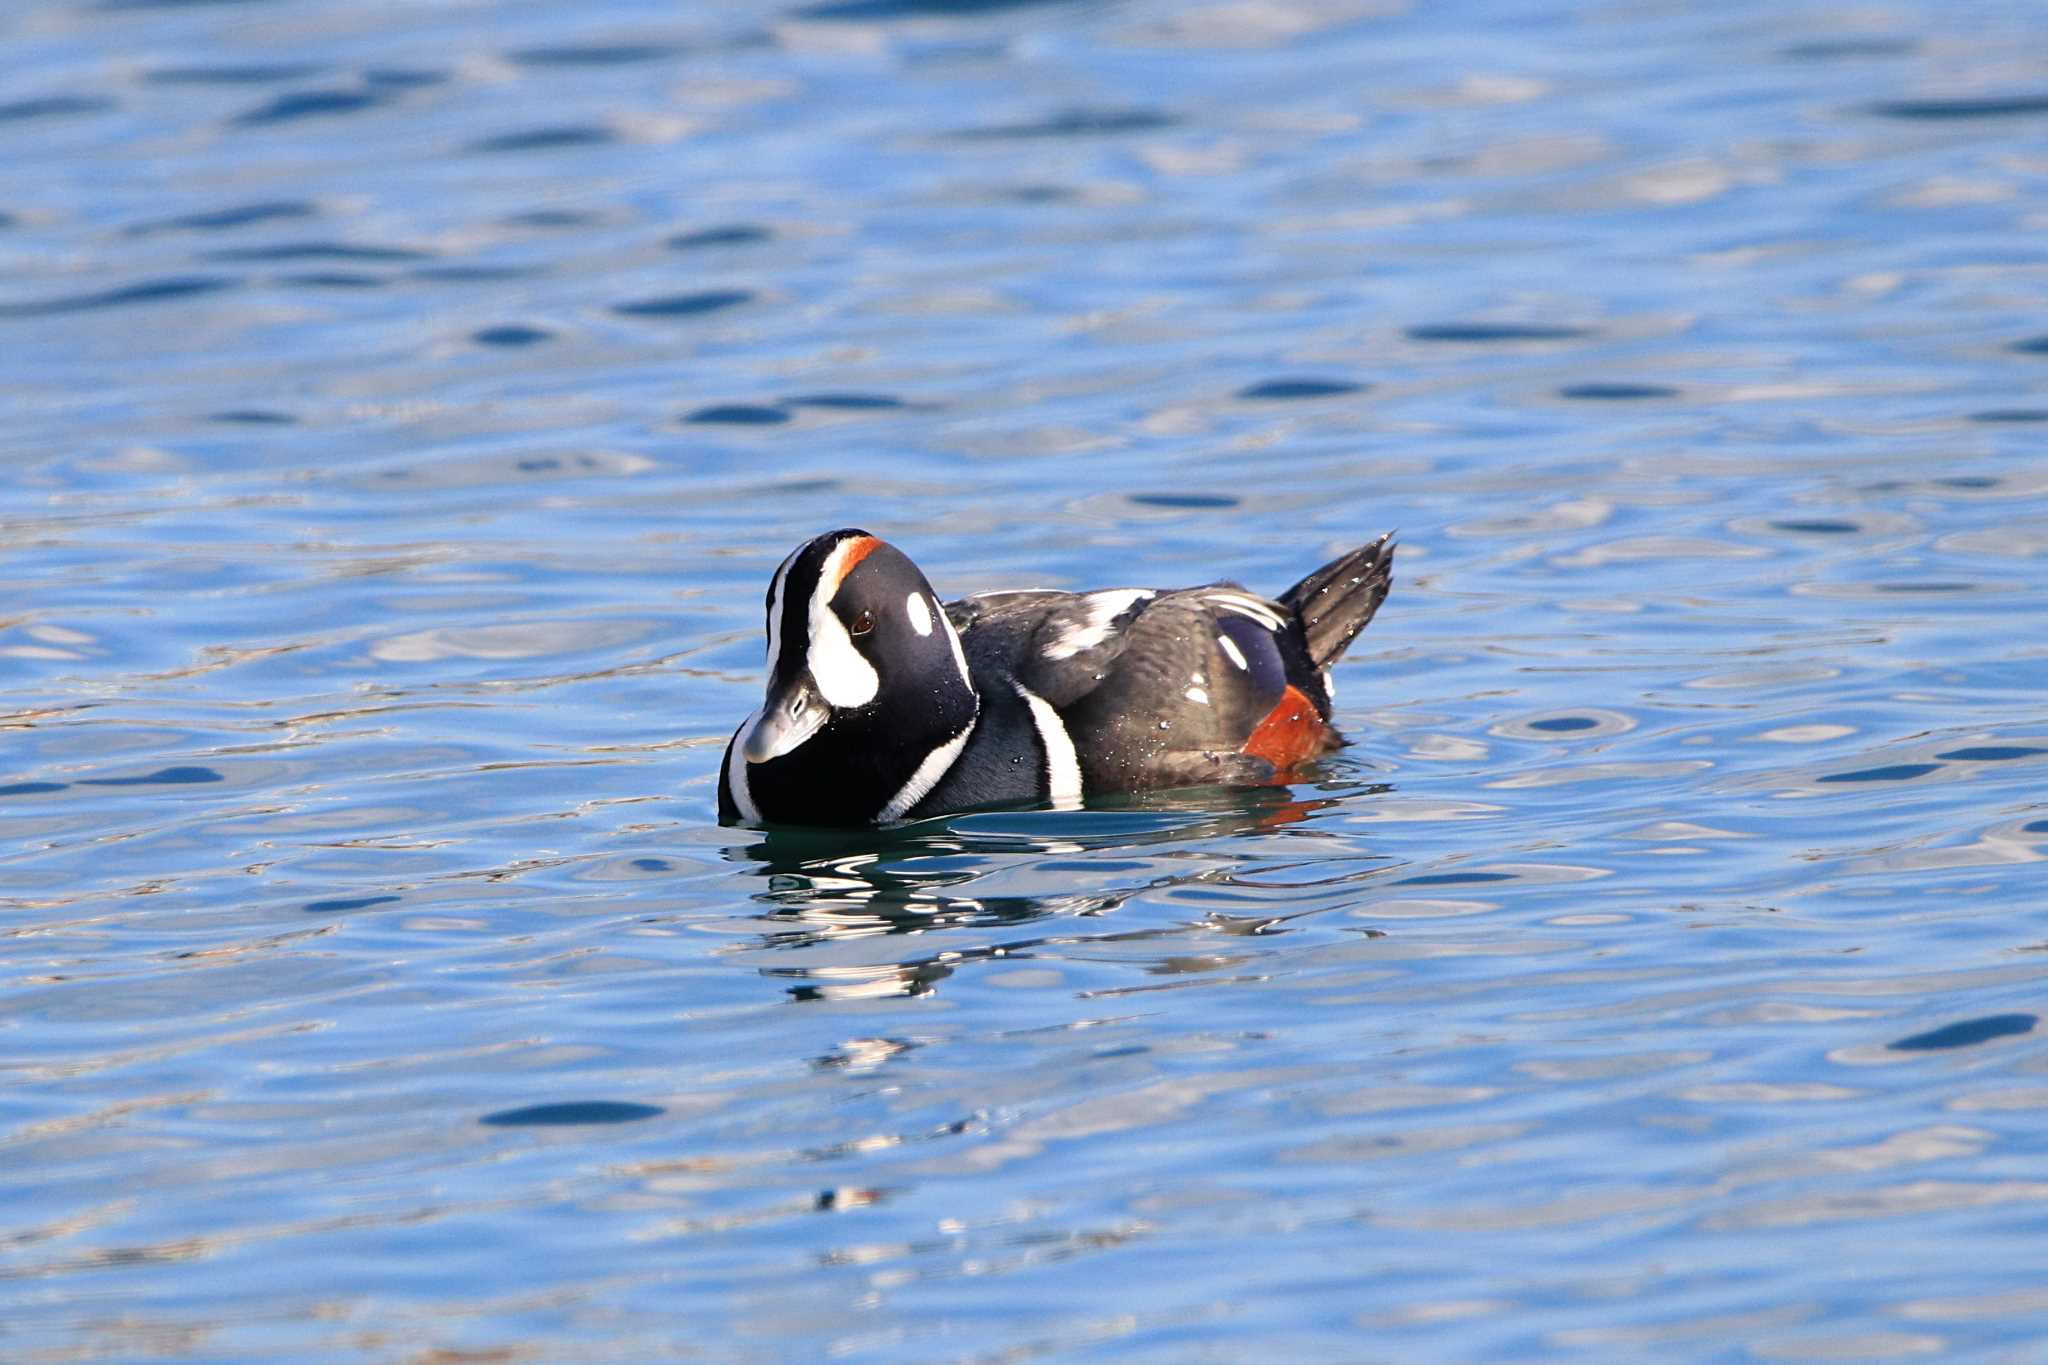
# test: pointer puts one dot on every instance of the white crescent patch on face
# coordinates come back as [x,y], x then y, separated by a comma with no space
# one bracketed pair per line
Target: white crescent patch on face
[844,677]
[920,614]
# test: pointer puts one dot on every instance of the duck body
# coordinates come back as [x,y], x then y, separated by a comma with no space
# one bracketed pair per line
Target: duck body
[884,704]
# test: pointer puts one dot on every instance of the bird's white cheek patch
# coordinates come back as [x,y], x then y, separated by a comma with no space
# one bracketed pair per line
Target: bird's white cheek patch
[844,678]
[920,614]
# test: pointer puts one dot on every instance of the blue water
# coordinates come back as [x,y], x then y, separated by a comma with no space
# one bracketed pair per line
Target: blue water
[408,403]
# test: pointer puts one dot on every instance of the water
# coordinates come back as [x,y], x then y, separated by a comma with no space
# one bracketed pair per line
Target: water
[408,404]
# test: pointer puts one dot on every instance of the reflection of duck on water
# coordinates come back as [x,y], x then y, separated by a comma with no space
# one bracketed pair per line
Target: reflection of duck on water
[829,891]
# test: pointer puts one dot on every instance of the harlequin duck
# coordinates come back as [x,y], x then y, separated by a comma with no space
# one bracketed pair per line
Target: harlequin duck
[884,705]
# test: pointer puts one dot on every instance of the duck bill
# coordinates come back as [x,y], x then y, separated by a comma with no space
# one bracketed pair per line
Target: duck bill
[791,715]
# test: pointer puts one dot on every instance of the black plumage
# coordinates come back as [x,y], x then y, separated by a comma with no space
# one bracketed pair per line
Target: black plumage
[1031,696]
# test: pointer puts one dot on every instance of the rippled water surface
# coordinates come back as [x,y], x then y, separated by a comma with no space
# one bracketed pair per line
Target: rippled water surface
[407,405]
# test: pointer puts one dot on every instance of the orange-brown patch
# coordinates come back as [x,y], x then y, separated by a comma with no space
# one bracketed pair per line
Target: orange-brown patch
[1291,733]
[857,549]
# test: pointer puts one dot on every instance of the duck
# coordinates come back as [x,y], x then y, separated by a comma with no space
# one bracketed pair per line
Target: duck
[885,704]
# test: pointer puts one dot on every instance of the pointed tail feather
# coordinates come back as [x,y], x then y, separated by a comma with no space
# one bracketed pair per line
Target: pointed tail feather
[1335,602]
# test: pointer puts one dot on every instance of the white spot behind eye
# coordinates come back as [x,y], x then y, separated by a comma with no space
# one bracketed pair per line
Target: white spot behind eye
[920,614]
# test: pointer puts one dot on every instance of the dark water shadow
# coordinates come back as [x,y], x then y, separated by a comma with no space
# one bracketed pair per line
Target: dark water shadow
[564,137]
[1818,527]
[1893,772]
[1074,123]
[149,291]
[162,777]
[737,415]
[228,219]
[684,305]
[1967,1033]
[305,104]
[184,775]
[1970,107]
[730,234]
[846,402]
[1480,333]
[510,335]
[320,251]
[916,9]
[347,903]
[594,54]
[572,1113]
[1615,392]
[1287,390]
[252,73]
[118,5]
[53,106]
[1846,49]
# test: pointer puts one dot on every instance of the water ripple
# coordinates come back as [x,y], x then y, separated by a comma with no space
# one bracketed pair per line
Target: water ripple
[374,971]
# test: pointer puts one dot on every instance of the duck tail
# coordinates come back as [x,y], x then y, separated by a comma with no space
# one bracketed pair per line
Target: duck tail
[1336,601]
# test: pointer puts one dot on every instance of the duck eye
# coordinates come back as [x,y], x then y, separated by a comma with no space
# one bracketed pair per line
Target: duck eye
[862,624]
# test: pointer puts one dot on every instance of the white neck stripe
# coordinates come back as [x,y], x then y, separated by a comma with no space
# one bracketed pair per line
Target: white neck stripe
[780,580]
[736,770]
[959,654]
[935,765]
[1062,764]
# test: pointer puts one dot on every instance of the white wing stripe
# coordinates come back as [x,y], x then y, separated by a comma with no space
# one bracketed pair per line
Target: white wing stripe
[1243,604]
[1103,609]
